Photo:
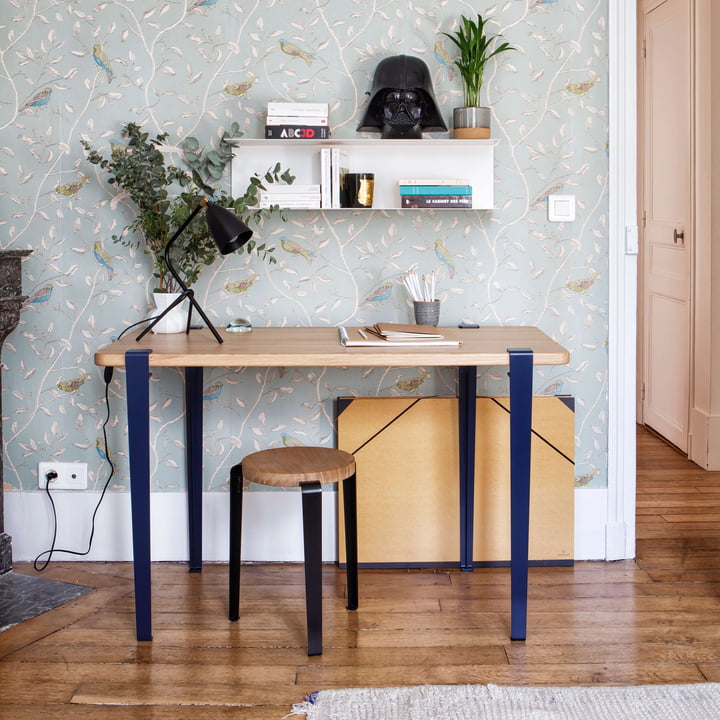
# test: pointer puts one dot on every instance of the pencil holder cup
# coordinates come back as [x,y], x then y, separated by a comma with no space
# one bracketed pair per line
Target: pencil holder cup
[427,312]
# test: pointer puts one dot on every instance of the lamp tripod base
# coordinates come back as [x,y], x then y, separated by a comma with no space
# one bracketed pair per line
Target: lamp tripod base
[186,294]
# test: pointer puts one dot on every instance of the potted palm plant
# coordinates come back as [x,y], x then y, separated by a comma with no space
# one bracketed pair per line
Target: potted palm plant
[476,48]
[164,196]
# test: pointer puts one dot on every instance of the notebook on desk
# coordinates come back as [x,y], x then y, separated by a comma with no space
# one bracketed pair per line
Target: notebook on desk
[389,334]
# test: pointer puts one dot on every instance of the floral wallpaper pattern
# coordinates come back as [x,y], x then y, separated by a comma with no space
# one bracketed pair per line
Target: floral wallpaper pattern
[77,69]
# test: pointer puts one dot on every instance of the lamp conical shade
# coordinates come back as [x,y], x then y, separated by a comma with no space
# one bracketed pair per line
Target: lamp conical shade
[228,230]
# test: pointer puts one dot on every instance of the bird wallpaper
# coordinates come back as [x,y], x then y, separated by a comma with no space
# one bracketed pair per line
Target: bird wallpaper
[73,70]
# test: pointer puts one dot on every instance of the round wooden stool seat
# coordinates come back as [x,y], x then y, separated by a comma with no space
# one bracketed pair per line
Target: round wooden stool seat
[295,466]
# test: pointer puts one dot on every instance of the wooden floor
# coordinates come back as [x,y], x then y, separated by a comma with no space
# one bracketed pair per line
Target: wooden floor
[653,620]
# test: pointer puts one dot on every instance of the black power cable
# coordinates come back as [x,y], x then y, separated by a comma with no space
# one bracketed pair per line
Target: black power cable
[51,475]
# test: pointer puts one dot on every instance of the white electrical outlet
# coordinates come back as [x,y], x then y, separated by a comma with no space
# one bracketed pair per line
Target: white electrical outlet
[70,476]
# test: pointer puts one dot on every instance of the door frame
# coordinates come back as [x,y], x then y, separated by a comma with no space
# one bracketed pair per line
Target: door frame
[622,265]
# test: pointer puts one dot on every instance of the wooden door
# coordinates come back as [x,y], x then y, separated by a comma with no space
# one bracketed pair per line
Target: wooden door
[667,237]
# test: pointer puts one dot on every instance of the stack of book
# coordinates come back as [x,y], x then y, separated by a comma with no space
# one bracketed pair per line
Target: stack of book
[384,334]
[297,121]
[435,193]
[290,196]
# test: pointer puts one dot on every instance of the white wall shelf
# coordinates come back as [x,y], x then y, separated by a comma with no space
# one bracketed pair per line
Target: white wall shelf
[388,159]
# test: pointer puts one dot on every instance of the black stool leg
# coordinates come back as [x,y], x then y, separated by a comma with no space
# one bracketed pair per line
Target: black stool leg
[351,551]
[236,492]
[312,537]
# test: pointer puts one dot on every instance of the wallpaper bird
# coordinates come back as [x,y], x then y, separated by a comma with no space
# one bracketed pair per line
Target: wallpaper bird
[70,189]
[37,100]
[103,62]
[550,191]
[71,386]
[100,448]
[582,87]
[552,388]
[295,51]
[379,294]
[212,392]
[199,4]
[583,285]
[583,480]
[240,286]
[412,384]
[443,58]
[41,296]
[239,88]
[103,258]
[443,255]
[294,248]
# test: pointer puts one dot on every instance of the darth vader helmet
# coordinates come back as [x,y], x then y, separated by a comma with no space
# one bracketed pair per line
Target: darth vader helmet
[402,103]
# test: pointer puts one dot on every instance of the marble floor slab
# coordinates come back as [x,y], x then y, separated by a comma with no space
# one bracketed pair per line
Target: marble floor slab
[23,597]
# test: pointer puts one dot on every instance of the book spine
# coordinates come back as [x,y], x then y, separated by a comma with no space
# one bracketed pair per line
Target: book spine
[297,132]
[436,201]
[434,181]
[325,190]
[338,167]
[436,190]
[280,198]
[300,109]
[312,120]
[293,189]
[296,204]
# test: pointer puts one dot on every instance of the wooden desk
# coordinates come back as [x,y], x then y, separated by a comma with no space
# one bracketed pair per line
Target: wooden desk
[518,347]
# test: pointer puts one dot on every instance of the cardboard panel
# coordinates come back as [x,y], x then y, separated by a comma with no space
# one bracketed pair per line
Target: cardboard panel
[406,451]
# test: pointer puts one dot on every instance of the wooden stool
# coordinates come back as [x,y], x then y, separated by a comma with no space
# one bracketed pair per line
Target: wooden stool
[308,468]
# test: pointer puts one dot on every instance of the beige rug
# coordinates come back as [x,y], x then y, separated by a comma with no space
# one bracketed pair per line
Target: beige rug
[495,702]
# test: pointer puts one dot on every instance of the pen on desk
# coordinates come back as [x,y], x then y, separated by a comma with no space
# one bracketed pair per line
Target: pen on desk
[362,334]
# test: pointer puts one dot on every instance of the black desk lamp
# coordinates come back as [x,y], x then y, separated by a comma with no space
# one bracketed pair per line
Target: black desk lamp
[230,234]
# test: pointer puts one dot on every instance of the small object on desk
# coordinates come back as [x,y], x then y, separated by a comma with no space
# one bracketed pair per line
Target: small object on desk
[468,325]
[426,306]
[396,331]
[239,325]
[375,337]
[427,312]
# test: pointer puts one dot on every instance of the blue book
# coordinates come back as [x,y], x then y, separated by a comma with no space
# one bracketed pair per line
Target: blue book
[436,189]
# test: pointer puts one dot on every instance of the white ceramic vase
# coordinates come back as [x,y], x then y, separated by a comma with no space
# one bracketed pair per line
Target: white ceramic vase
[176,320]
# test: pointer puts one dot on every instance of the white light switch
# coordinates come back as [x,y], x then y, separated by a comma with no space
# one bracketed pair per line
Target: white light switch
[561,208]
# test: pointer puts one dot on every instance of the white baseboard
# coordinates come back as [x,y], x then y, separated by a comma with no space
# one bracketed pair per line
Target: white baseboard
[590,524]
[272,531]
[704,440]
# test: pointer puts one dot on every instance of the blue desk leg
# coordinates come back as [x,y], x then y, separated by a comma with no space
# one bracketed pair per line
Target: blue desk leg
[193,454]
[521,375]
[467,384]
[138,410]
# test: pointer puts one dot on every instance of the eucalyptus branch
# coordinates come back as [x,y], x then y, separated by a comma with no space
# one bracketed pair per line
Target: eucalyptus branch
[166,195]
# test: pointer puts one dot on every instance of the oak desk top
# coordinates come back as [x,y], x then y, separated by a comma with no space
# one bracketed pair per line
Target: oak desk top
[320,346]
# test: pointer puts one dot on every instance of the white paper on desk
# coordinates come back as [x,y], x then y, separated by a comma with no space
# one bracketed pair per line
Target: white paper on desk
[352,338]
